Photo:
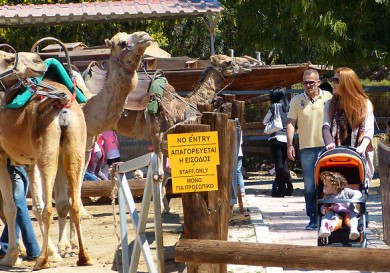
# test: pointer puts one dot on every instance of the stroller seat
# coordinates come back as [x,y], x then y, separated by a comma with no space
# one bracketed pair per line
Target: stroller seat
[348,162]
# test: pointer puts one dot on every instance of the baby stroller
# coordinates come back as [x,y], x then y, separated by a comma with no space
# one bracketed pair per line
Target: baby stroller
[348,162]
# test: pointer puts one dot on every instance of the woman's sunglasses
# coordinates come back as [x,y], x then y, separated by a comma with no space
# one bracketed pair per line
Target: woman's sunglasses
[336,80]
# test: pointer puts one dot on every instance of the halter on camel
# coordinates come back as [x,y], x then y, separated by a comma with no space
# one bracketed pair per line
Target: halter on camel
[9,73]
[128,49]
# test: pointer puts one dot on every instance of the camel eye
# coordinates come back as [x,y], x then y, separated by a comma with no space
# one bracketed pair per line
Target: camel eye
[227,63]
[122,44]
[10,60]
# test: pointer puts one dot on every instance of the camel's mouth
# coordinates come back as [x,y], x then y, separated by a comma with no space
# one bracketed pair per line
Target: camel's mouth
[38,72]
[145,40]
[246,70]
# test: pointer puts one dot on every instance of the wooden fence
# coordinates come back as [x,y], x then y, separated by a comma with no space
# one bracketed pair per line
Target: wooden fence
[384,174]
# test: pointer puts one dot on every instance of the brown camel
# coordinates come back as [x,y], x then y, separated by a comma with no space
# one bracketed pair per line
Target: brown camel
[174,109]
[35,135]
[103,110]
[96,115]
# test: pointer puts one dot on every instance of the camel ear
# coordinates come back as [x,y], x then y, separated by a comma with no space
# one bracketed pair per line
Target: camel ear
[213,59]
[108,43]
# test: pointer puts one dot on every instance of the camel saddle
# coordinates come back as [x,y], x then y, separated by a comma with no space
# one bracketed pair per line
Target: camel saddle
[19,97]
[138,99]
[94,77]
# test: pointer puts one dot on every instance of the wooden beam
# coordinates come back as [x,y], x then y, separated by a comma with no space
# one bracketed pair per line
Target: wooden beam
[281,255]
[104,187]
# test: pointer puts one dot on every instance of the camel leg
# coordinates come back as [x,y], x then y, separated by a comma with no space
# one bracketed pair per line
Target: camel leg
[22,249]
[160,173]
[62,207]
[38,206]
[66,248]
[48,173]
[9,209]
[75,195]
[164,199]
[47,163]
[73,162]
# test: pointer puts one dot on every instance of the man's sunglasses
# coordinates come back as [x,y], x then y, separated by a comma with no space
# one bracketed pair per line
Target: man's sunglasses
[308,82]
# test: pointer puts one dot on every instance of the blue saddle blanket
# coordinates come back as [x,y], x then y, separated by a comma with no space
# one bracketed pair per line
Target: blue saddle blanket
[24,94]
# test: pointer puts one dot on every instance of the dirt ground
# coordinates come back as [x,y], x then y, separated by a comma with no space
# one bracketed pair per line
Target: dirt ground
[101,233]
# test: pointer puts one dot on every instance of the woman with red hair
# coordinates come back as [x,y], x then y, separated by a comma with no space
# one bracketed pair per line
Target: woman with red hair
[349,117]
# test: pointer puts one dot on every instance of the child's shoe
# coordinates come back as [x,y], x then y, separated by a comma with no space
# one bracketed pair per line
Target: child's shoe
[354,235]
[324,232]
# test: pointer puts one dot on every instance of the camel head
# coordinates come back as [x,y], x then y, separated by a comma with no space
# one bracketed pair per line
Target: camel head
[16,66]
[128,49]
[230,66]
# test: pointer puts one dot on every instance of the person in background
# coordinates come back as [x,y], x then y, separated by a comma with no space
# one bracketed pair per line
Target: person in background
[307,111]
[97,159]
[326,86]
[240,177]
[349,117]
[282,185]
[111,147]
[388,130]
[23,226]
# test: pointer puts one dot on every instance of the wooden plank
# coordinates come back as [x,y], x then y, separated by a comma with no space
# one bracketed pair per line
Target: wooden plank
[104,187]
[253,132]
[384,174]
[281,255]
[254,125]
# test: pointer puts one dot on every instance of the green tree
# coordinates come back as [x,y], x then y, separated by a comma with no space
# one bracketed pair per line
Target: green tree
[335,32]
[353,33]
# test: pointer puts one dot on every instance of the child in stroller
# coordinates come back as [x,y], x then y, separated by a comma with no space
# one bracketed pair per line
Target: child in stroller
[345,161]
[334,188]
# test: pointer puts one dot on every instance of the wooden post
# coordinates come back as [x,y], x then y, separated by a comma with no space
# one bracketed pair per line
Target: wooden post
[206,214]
[205,107]
[238,109]
[226,132]
[229,98]
[199,211]
[280,255]
[384,174]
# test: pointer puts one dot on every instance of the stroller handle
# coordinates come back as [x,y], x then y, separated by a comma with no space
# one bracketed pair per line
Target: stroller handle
[352,148]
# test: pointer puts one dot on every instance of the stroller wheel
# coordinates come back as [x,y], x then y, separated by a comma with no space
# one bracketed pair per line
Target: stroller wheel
[363,244]
[323,241]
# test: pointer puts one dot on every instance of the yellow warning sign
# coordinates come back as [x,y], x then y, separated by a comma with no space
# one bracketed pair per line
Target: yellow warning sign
[194,179]
[193,158]
[193,148]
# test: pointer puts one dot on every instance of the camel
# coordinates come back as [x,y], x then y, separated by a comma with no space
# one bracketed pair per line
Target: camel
[99,120]
[45,128]
[174,109]
[103,110]
[132,123]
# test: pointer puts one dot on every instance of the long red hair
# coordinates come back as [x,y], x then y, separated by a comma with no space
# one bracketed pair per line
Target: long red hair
[350,97]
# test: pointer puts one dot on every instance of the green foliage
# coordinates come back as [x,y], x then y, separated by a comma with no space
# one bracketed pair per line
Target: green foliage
[367,82]
[346,33]
[352,33]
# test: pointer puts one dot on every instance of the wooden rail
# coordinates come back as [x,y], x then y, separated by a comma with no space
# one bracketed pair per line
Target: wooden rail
[281,255]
